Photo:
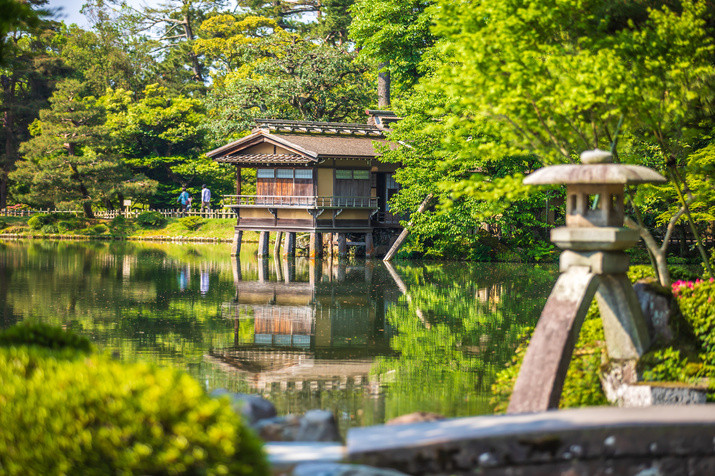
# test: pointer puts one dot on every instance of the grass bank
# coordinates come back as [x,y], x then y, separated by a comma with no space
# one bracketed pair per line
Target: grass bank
[70,227]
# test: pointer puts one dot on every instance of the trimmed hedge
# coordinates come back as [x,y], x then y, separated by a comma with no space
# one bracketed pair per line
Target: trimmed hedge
[151,220]
[43,335]
[191,223]
[64,412]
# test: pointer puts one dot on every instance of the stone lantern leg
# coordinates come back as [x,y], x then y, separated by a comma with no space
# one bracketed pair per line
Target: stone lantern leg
[593,263]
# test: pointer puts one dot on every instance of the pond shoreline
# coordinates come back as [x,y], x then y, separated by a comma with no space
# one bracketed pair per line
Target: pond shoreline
[161,238]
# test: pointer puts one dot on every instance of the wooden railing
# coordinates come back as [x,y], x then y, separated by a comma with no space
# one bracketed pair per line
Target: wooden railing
[109,214]
[281,201]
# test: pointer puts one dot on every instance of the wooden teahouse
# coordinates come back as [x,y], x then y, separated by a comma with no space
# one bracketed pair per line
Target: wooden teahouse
[313,177]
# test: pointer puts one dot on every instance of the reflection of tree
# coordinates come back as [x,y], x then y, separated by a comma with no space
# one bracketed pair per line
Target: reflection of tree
[124,296]
[473,315]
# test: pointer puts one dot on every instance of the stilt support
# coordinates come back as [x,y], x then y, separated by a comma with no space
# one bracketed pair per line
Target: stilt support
[236,244]
[289,247]
[369,246]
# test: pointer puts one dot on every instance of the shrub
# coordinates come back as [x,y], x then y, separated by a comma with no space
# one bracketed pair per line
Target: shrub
[43,335]
[3,224]
[97,229]
[92,415]
[49,229]
[118,221]
[151,220]
[191,223]
[697,303]
[37,221]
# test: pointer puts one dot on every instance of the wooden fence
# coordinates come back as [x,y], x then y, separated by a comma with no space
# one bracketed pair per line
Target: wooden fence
[109,214]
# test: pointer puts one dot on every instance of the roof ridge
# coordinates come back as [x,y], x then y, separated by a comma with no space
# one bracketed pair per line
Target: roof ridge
[319,128]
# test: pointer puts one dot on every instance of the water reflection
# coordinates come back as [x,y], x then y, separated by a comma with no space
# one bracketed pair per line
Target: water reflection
[368,341]
[308,324]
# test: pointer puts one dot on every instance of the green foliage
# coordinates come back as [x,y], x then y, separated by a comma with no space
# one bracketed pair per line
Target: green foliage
[394,32]
[697,303]
[3,224]
[285,76]
[43,335]
[191,223]
[105,417]
[151,220]
[96,229]
[39,220]
[161,136]
[67,161]
[665,365]
[49,229]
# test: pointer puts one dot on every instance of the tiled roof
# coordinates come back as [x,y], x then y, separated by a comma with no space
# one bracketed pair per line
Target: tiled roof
[333,145]
[265,159]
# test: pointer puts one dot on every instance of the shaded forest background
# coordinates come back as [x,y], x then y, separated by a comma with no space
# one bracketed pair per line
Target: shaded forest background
[489,91]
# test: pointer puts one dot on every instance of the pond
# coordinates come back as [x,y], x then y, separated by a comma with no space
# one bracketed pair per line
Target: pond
[366,340]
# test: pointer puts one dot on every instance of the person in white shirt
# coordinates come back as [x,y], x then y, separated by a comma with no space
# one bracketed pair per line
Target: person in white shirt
[205,198]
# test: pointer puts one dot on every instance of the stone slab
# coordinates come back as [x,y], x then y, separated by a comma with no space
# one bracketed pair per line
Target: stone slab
[488,443]
[594,238]
[283,456]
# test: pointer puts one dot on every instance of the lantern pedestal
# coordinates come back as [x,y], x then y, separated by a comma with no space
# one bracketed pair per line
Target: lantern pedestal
[593,264]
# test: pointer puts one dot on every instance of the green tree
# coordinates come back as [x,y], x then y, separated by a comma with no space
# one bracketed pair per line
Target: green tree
[394,33]
[162,136]
[65,162]
[29,65]
[288,77]
[559,77]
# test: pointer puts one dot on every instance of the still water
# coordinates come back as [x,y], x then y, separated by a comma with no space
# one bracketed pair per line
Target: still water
[366,340]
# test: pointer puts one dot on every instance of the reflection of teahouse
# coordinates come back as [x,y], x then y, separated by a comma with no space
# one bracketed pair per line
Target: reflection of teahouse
[320,178]
[323,332]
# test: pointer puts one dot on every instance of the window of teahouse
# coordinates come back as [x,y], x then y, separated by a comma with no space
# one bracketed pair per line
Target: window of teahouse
[303,174]
[352,183]
[284,182]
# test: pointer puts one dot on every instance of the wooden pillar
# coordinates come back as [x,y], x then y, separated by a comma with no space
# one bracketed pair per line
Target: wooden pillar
[236,244]
[277,246]
[369,246]
[263,244]
[289,248]
[238,180]
[342,245]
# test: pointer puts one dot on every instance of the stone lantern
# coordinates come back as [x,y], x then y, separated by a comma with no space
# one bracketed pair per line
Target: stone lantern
[593,263]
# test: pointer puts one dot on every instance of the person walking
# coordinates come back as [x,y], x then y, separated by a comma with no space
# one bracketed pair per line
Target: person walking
[205,198]
[183,199]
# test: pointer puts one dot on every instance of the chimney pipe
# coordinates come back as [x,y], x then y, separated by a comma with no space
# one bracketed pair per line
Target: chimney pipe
[383,86]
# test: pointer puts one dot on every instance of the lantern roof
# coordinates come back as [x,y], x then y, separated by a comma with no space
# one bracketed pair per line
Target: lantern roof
[596,169]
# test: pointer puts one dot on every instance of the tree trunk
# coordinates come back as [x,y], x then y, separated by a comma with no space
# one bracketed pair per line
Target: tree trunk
[403,236]
[196,66]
